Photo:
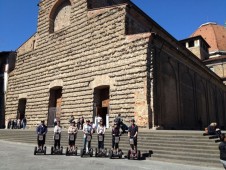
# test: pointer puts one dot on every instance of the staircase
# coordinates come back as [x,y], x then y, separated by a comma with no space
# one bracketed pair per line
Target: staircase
[187,147]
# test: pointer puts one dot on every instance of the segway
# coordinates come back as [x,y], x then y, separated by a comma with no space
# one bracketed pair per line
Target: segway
[114,153]
[87,151]
[98,151]
[57,150]
[70,150]
[41,149]
[132,154]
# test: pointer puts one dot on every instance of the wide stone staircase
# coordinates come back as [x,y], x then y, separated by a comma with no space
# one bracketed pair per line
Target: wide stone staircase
[186,147]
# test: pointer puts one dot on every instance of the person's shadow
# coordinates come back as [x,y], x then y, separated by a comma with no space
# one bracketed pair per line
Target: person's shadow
[143,155]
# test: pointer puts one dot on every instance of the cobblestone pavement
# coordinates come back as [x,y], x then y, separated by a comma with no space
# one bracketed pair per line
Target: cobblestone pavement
[18,156]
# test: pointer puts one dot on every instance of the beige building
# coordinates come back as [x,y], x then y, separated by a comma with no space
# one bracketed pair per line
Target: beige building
[215,36]
[108,57]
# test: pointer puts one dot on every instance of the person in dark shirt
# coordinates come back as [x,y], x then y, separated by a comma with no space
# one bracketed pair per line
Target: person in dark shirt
[118,120]
[115,136]
[222,148]
[71,119]
[132,133]
[211,129]
[82,121]
[41,130]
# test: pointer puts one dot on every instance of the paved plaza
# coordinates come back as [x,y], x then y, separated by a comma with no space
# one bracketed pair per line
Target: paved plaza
[20,156]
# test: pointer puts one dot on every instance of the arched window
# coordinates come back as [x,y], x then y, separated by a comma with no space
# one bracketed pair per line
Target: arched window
[60,15]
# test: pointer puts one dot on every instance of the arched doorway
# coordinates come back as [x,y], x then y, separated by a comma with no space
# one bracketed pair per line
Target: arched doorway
[55,101]
[101,103]
[21,108]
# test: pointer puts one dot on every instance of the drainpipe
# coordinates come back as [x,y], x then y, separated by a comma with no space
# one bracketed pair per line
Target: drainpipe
[6,79]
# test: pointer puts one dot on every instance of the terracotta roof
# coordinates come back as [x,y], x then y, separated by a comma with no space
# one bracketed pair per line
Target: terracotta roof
[215,36]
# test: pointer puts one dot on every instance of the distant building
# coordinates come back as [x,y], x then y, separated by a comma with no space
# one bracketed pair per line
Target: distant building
[215,36]
[7,64]
[104,57]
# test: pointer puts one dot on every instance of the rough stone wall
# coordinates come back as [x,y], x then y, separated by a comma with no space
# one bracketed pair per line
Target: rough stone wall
[157,82]
[92,47]
[103,3]
[29,45]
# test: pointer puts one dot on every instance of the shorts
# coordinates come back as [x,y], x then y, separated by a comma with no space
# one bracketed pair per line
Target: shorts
[71,142]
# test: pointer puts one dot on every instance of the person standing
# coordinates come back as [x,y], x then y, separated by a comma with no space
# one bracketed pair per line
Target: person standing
[55,122]
[82,122]
[9,124]
[78,124]
[72,130]
[41,130]
[87,130]
[115,135]
[15,123]
[12,124]
[99,118]
[18,124]
[100,134]
[132,134]
[24,122]
[71,119]
[57,130]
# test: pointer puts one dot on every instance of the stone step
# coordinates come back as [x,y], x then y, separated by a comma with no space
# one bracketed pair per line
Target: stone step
[173,146]
[141,137]
[212,164]
[151,144]
[145,144]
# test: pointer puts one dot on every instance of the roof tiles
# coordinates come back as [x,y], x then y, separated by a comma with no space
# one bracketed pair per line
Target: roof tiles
[214,34]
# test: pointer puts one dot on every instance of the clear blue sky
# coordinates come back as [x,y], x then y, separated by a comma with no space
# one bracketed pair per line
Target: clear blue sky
[18,18]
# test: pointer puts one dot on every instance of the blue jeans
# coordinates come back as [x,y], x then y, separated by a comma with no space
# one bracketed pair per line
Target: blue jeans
[24,125]
[84,142]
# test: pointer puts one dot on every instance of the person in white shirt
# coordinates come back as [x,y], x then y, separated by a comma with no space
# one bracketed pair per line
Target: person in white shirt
[87,130]
[93,125]
[100,134]
[55,121]
[72,130]
[98,119]
[57,135]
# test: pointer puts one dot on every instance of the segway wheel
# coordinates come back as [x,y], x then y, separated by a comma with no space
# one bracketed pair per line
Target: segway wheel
[35,150]
[138,155]
[106,152]
[95,152]
[45,150]
[129,153]
[110,154]
[61,150]
[81,152]
[120,154]
[51,150]
[91,152]
[66,151]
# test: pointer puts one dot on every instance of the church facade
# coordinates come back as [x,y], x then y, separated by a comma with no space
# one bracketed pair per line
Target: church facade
[102,57]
